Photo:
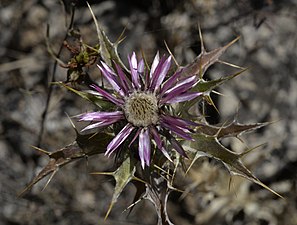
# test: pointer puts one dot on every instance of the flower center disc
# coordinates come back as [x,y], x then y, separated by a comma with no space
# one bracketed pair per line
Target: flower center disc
[141,109]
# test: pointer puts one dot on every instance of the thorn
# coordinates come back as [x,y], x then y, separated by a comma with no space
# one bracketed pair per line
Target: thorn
[231,42]
[159,168]
[21,194]
[196,157]
[235,120]
[251,149]
[71,122]
[187,191]
[218,93]
[41,150]
[269,189]
[220,129]
[103,173]
[138,179]
[49,179]
[190,166]
[201,39]
[230,183]
[121,38]
[93,135]
[108,211]
[202,50]
[174,59]
[209,100]
[235,74]
[95,21]
[230,64]
[230,186]
[133,204]
[175,168]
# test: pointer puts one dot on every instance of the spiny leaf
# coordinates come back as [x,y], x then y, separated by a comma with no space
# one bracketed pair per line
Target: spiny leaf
[213,148]
[198,67]
[107,50]
[202,62]
[123,175]
[207,86]
[84,146]
[57,160]
[211,102]
[233,129]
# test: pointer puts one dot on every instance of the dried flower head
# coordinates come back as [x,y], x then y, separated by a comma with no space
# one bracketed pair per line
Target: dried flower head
[141,103]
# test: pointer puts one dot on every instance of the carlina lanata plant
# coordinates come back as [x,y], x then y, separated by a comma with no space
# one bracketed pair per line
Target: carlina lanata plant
[148,119]
[141,104]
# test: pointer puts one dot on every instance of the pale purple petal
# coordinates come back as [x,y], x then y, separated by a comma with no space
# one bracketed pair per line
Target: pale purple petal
[182,97]
[156,74]
[97,116]
[110,97]
[140,71]
[159,142]
[133,69]
[102,123]
[144,147]
[176,145]
[177,130]
[160,73]
[178,89]
[112,80]
[165,153]
[140,67]
[135,136]
[108,69]
[156,137]
[119,139]
[92,92]
[185,82]
[178,121]
[168,83]
[154,64]
[126,84]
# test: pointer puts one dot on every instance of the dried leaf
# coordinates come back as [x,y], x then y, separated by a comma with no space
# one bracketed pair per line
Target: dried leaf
[210,146]
[84,146]
[202,62]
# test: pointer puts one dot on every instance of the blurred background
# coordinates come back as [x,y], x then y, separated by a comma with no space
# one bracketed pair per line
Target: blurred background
[266,92]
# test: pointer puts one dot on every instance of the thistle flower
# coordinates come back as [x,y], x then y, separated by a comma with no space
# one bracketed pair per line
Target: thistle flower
[140,103]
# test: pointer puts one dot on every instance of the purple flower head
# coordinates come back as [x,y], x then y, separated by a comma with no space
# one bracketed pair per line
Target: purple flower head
[140,99]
